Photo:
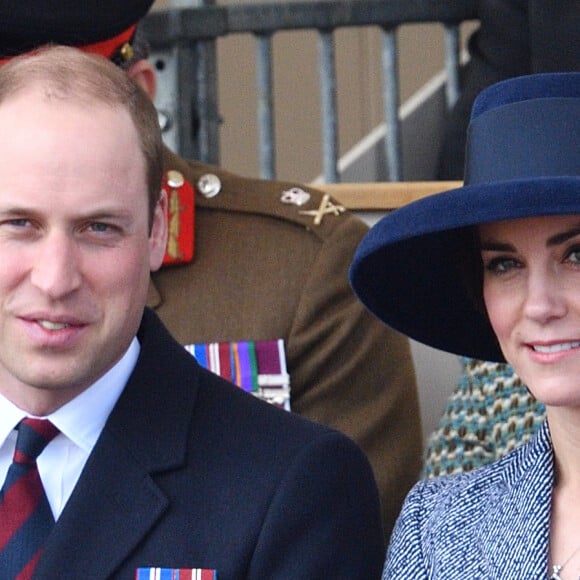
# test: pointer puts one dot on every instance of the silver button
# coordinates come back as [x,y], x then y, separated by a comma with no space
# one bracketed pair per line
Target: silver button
[209,185]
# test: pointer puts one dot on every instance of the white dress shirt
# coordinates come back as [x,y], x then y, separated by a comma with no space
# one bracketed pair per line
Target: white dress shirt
[80,422]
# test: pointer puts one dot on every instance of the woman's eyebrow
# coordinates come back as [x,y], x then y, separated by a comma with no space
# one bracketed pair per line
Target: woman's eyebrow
[555,240]
[563,237]
[492,246]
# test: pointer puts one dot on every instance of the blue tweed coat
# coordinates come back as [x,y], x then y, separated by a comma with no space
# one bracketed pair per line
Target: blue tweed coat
[490,523]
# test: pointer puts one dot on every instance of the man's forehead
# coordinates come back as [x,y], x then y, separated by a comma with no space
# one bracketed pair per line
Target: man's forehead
[33,119]
[59,153]
[37,96]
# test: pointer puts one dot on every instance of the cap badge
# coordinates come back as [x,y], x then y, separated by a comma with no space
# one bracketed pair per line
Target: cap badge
[127,52]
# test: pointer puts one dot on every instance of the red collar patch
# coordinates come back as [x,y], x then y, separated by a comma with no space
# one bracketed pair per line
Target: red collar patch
[180,219]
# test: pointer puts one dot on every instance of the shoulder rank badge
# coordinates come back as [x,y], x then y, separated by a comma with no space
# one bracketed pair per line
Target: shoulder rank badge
[180,219]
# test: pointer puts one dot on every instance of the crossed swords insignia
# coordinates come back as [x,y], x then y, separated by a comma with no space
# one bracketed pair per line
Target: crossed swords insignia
[326,207]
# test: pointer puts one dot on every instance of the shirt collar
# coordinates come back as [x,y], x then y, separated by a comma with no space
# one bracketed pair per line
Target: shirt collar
[10,416]
[82,419]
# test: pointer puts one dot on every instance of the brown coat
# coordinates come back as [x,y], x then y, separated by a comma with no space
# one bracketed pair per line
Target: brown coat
[264,271]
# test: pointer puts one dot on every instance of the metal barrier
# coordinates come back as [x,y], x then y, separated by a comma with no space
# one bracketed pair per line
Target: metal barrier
[183,42]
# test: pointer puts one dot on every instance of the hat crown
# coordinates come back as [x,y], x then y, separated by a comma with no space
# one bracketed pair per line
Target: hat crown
[511,123]
[527,88]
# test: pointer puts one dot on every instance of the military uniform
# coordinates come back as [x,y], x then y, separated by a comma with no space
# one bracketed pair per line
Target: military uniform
[263,270]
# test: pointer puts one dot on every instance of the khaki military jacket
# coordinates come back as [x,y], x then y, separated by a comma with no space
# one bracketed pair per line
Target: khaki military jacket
[263,270]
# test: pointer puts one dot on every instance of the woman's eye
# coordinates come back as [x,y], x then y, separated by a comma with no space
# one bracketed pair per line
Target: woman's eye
[574,255]
[500,264]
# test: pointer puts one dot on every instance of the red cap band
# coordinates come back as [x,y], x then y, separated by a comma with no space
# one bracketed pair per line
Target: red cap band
[109,47]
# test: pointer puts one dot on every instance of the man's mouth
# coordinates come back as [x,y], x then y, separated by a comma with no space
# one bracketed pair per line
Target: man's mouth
[49,325]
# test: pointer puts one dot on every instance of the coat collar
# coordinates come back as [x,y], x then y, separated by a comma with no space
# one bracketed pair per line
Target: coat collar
[514,537]
[117,491]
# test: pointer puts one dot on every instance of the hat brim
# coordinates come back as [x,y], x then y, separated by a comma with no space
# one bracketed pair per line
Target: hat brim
[25,26]
[407,269]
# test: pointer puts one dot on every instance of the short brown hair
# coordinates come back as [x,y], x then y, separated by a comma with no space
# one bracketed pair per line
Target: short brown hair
[68,73]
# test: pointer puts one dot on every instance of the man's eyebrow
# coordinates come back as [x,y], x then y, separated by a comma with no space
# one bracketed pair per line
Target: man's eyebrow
[106,212]
[12,209]
[14,212]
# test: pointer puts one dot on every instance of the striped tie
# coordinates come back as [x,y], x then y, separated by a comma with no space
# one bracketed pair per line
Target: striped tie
[25,515]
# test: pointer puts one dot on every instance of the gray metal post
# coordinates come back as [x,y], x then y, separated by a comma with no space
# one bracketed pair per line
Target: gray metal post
[451,64]
[391,104]
[266,137]
[207,102]
[328,106]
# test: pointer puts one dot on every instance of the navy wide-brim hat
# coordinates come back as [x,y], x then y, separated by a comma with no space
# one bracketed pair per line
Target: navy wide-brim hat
[28,24]
[522,160]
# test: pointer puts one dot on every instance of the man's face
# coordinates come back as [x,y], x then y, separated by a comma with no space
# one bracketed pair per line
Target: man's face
[75,246]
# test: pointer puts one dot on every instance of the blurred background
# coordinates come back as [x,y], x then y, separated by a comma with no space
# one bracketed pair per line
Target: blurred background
[297,97]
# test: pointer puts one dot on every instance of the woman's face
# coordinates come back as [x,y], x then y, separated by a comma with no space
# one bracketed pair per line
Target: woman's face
[531,289]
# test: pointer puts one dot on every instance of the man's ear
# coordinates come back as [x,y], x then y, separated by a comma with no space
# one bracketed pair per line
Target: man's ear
[158,235]
[143,73]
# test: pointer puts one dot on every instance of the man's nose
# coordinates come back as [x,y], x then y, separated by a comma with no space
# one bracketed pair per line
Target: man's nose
[56,269]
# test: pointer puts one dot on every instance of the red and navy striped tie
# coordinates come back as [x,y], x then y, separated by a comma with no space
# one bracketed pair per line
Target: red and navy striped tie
[25,515]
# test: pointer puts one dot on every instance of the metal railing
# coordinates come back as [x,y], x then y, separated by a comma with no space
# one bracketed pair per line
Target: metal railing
[183,42]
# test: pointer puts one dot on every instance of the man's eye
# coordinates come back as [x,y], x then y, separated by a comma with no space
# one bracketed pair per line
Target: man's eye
[20,222]
[100,228]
